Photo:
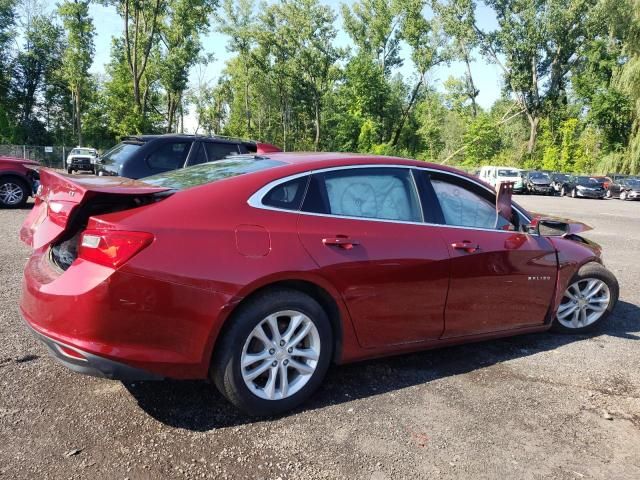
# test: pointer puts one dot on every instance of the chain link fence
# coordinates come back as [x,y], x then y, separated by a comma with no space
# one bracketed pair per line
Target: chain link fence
[48,156]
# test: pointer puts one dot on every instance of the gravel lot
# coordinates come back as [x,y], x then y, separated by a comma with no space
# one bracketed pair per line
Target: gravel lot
[530,407]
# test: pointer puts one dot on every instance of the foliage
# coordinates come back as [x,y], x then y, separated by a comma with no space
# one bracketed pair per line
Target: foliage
[570,70]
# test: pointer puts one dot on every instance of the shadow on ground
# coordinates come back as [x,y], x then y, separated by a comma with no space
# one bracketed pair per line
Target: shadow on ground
[197,405]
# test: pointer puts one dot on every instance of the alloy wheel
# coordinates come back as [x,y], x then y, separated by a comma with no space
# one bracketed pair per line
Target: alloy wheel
[280,355]
[583,303]
[11,193]
[623,195]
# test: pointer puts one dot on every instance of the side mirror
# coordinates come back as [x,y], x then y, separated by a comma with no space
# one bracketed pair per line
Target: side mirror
[551,228]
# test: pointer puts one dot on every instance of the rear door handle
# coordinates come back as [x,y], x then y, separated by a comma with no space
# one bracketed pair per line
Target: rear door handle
[341,241]
[467,246]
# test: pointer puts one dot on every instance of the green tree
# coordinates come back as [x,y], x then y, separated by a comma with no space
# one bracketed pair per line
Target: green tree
[481,141]
[535,45]
[78,54]
[183,24]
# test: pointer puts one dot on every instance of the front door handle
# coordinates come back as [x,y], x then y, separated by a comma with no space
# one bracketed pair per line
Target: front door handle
[340,241]
[467,246]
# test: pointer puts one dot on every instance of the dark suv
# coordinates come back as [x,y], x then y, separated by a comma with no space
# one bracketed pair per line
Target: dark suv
[144,155]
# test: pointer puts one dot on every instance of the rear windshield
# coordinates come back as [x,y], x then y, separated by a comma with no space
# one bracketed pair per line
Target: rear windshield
[82,151]
[587,181]
[210,172]
[541,175]
[120,153]
[507,173]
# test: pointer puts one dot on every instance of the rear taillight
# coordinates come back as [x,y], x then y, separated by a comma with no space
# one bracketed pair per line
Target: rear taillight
[112,248]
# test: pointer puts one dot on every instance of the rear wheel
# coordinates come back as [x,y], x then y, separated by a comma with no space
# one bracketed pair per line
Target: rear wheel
[275,353]
[563,192]
[574,193]
[13,192]
[70,171]
[608,194]
[588,300]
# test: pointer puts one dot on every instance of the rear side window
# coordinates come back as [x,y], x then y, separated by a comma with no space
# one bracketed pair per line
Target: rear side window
[377,193]
[169,156]
[218,151]
[288,195]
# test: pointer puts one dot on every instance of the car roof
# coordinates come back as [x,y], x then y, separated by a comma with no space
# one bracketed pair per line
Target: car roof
[300,162]
[180,136]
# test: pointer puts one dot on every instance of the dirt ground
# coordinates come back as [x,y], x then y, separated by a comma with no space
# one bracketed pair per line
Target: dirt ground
[529,407]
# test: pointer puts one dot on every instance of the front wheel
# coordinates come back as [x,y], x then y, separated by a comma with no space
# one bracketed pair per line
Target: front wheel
[574,193]
[623,195]
[275,353]
[608,194]
[562,192]
[588,300]
[70,171]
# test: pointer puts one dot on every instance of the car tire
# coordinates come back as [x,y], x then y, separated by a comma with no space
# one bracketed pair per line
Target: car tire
[70,171]
[623,195]
[562,192]
[608,194]
[574,193]
[14,192]
[250,332]
[593,289]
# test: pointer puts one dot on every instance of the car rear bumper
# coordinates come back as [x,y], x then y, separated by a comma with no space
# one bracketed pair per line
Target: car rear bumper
[86,363]
[124,324]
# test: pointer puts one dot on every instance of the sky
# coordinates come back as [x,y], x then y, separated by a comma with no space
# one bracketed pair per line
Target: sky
[487,77]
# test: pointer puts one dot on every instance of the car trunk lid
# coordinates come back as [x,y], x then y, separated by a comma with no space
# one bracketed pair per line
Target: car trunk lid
[61,198]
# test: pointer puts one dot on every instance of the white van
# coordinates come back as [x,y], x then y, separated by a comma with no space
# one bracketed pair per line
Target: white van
[496,175]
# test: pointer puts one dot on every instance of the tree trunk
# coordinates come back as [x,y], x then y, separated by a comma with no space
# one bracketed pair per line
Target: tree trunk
[407,111]
[317,122]
[533,132]
[169,112]
[473,92]
[78,116]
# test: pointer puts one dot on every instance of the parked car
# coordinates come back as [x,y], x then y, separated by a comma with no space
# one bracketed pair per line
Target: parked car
[537,183]
[616,177]
[627,188]
[557,180]
[603,180]
[18,181]
[582,186]
[260,271]
[144,155]
[496,175]
[82,158]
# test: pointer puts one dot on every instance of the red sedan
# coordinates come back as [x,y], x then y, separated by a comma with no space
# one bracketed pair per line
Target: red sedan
[259,272]
[18,181]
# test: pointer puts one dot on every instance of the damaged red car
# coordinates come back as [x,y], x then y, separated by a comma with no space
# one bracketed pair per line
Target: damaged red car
[260,271]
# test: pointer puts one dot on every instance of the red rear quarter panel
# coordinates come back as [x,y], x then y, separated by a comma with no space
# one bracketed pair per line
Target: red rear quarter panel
[197,246]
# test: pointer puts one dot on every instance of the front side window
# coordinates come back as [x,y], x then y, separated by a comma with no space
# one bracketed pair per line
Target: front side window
[377,193]
[169,156]
[464,205]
